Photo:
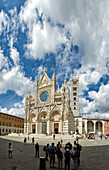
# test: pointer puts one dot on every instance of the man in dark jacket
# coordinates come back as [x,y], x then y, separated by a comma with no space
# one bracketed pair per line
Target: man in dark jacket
[37,150]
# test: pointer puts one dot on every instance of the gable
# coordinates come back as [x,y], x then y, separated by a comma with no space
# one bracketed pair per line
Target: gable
[45,81]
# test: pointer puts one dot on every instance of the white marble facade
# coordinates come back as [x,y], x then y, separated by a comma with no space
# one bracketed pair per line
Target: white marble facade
[50,110]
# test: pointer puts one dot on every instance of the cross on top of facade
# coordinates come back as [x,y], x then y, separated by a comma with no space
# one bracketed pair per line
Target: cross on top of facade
[44,69]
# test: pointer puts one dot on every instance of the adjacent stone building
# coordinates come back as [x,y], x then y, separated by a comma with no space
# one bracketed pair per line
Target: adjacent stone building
[10,123]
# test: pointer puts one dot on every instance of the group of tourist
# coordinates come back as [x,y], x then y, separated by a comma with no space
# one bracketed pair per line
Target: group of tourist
[62,153]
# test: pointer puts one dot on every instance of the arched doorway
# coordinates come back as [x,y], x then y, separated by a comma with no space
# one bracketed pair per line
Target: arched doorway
[56,128]
[33,128]
[42,123]
[55,122]
[90,126]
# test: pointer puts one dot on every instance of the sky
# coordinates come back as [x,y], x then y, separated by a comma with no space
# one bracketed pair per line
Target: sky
[70,36]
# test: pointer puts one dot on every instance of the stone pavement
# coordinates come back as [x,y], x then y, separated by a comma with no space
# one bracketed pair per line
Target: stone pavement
[94,154]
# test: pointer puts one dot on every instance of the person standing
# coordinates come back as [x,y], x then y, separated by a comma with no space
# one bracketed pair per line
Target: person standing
[101,136]
[10,150]
[79,148]
[61,141]
[37,150]
[67,154]
[46,151]
[25,140]
[75,158]
[52,151]
[28,136]
[60,156]
[33,140]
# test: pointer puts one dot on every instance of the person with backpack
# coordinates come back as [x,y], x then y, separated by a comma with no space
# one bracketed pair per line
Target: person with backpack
[52,151]
[45,149]
[67,154]
[79,148]
[37,150]
[75,157]
[60,156]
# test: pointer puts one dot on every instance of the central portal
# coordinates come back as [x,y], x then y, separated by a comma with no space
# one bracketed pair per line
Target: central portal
[44,127]
[56,128]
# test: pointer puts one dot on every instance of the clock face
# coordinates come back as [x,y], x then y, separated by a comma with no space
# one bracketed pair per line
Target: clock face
[44,96]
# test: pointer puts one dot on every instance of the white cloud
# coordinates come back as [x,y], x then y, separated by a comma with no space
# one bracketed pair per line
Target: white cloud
[14,54]
[101,98]
[3,60]
[15,80]
[17,110]
[41,39]
[4,22]
[100,102]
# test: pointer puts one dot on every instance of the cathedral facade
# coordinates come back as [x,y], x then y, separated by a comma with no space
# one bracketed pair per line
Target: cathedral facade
[51,110]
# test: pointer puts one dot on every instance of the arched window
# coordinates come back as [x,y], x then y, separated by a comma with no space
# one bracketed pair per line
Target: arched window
[77,122]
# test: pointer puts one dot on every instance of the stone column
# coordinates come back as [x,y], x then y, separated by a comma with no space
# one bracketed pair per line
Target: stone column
[48,126]
[94,121]
[85,126]
[36,127]
[102,127]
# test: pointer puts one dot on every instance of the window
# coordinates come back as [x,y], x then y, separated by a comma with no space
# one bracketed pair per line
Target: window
[15,120]
[18,120]
[6,124]
[74,88]
[74,82]
[74,98]
[3,124]
[9,119]
[15,125]
[6,118]
[74,94]
[9,124]
[0,117]
[2,130]
[0,123]
[74,103]
[77,122]
[12,119]
[6,130]
[74,108]
[3,117]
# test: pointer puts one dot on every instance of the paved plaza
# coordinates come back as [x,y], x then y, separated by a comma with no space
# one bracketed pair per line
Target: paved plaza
[94,154]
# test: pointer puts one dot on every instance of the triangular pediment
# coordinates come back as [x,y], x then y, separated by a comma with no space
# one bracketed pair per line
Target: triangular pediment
[55,108]
[44,109]
[45,81]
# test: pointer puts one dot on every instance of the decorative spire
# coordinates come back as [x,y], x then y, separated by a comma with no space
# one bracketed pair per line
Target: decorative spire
[44,69]
[37,81]
[29,93]
[58,90]
[53,77]
[65,82]
[74,76]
